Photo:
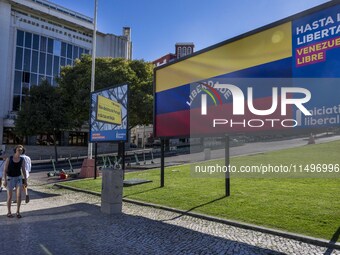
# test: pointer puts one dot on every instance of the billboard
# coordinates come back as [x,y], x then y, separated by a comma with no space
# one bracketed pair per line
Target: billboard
[282,77]
[108,111]
[108,120]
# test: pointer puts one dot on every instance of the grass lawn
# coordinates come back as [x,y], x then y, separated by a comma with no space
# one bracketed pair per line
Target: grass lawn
[309,206]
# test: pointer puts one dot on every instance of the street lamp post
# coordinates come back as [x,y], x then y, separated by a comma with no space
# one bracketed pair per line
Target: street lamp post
[94,43]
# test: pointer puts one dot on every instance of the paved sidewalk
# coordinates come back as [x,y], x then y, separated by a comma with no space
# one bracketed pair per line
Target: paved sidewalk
[58,221]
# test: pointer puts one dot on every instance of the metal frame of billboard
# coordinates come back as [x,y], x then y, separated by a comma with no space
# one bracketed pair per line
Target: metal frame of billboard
[195,78]
[107,131]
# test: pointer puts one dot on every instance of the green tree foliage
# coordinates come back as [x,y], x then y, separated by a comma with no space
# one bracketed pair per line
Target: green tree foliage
[42,113]
[75,83]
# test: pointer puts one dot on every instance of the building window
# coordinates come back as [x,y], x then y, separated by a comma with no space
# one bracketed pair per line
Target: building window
[63,49]
[62,61]
[57,48]
[34,64]
[20,38]
[49,64]
[42,61]
[34,79]
[28,40]
[27,60]
[43,43]
[184,51]
[179,52]
[55,66]
[17,82]
[36,42]
[25,90]
[18,58]
[77,138]
[69,51]
[26,77]
[16,102]
[50,46]
[75,52]
[39,58]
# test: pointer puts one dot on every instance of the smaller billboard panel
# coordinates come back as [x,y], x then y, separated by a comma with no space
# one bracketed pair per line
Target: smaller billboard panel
[108,120]
[108,111]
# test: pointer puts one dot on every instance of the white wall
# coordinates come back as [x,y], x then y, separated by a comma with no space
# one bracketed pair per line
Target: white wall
[111,45]
[5,61]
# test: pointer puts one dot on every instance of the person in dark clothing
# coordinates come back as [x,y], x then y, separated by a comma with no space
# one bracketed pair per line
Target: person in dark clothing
[13,171]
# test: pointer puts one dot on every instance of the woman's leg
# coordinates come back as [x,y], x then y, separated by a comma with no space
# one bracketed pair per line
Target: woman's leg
[27,198]
[18,189]
[9,200]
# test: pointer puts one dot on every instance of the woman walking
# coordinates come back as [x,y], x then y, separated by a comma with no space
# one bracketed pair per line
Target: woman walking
[13,171]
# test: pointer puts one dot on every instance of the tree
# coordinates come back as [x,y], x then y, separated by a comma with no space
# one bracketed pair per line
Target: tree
[42,113]
[75,83]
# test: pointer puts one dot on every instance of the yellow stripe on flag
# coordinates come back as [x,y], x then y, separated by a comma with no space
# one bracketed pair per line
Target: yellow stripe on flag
[260,48]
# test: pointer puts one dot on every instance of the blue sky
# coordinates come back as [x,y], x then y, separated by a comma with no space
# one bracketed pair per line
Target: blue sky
[158,24]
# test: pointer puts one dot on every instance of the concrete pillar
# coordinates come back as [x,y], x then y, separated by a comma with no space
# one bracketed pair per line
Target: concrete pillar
[112,191]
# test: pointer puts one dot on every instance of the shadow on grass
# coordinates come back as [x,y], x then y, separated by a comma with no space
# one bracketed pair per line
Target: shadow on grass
[140,192]
[334,239]
[195,207]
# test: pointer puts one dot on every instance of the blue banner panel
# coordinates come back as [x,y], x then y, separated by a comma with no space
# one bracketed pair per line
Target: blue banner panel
[316,44]
[108,135]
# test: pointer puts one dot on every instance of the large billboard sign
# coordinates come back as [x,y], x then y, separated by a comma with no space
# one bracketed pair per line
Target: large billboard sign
[282,77]
[108,120]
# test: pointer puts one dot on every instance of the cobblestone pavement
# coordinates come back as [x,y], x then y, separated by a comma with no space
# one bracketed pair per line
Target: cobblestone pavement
[58,221]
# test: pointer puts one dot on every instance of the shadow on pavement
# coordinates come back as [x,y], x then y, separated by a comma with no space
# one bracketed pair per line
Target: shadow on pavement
[333,240]
[32,193]
[82,229]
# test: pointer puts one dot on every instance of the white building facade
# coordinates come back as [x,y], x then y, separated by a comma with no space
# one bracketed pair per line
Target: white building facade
[37,38]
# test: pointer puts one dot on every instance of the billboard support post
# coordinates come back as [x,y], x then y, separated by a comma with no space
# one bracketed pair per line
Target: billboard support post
[95,160]
[227,164]
[93,67]
[123,160]
[121,154]
[162,162]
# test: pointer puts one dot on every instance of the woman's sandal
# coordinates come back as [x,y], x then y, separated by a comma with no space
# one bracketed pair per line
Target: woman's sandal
[18,215]
[9,215]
